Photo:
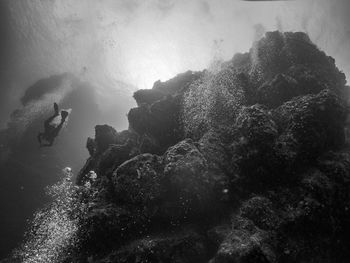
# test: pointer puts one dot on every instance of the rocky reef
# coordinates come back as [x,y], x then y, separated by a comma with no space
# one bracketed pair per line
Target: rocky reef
[247,162]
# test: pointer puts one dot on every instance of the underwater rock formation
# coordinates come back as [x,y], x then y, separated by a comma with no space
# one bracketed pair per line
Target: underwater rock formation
[247,162]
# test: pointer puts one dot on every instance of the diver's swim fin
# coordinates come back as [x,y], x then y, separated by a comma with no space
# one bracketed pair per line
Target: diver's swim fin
[64,115]
[55,106]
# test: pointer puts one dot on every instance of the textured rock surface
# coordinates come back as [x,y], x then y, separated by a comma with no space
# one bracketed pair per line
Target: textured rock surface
[253,153]
[183,246]
[139,180]
[244,163]
[159,121]
[312,124]
[190,185]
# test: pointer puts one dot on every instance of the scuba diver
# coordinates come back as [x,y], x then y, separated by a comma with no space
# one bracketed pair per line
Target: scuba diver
[52,129]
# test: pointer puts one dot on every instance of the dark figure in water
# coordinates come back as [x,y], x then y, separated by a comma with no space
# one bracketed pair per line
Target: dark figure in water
[51,131]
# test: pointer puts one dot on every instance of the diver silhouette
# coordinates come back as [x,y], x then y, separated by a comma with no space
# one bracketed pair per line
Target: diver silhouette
[50,129]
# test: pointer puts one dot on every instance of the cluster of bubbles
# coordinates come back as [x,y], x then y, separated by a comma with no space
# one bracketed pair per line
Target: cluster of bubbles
[213,100]
[54,229]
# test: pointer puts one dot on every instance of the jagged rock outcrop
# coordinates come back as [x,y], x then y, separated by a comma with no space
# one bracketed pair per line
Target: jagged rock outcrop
[191,186]
[245,243]
[277,68]
[244,163]
[107,151]
[253,154]
[160,89]
[313,124]
[138,181]
[159,122]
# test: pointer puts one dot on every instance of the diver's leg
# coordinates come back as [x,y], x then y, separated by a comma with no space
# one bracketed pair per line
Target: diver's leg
[53,134]
[64,115]
[59,127]
[49,120]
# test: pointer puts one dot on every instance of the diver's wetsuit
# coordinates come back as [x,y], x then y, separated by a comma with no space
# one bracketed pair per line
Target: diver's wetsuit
[51,131]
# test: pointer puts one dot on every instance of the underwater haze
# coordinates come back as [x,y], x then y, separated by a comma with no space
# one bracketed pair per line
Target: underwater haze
[91,56]
[126,45]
